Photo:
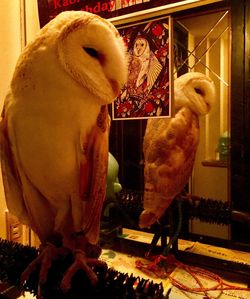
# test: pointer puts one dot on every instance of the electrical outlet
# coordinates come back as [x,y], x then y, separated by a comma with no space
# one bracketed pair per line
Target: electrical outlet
[14,228]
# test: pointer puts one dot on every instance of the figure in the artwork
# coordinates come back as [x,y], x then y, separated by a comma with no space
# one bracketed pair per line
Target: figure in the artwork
[144,67]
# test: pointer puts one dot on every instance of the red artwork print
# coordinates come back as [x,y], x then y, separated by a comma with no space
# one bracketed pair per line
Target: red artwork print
[146,92]
[157,30]
[149,107]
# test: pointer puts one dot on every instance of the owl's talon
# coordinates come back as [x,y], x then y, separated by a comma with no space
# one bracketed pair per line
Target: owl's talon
[48,254]
[84,263]
[29,269]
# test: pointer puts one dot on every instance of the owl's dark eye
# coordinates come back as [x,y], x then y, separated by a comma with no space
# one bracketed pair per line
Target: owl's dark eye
[92,52]
[199,91]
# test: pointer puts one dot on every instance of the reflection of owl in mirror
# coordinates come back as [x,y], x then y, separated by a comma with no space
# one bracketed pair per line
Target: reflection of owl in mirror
[144,67]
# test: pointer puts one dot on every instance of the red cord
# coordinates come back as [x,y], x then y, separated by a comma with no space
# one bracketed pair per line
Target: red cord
[160,271]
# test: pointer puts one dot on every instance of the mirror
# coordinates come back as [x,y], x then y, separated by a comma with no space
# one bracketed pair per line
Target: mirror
[208,52]
[202,44]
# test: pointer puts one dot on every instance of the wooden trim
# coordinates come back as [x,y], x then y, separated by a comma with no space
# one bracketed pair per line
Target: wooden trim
[240,115]
[215,163]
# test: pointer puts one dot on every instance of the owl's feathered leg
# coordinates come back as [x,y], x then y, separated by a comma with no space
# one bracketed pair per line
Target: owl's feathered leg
[159,264]
[160,234]
[166,226]
[86,256]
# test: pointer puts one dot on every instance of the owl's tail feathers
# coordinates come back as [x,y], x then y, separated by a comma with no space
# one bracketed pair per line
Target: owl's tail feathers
[147,218]
[154,204]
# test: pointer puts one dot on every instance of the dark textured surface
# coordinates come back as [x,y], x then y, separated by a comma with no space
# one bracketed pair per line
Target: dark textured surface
[112,284]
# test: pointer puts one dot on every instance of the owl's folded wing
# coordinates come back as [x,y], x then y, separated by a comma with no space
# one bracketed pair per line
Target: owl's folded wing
[11,180]
[94,174]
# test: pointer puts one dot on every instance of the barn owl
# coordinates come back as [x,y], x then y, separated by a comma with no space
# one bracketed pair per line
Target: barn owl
[170,145]
[54,134]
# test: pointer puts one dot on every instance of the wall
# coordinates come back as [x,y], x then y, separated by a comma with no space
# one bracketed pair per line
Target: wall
[13,35]
[212,181]
[10,46]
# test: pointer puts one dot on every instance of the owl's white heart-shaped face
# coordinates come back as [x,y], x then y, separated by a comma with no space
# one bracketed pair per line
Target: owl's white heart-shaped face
[140,46]
[195,91]
[81,46]
[93,53]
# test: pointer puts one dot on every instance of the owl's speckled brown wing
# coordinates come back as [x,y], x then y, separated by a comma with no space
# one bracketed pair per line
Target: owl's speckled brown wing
[93,175]
[169,151]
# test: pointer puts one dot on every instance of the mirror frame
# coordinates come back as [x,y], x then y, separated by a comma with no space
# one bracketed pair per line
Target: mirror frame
[239,164]
[240,116]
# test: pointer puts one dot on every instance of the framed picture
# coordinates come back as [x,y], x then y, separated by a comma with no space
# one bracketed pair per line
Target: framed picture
[148,90]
